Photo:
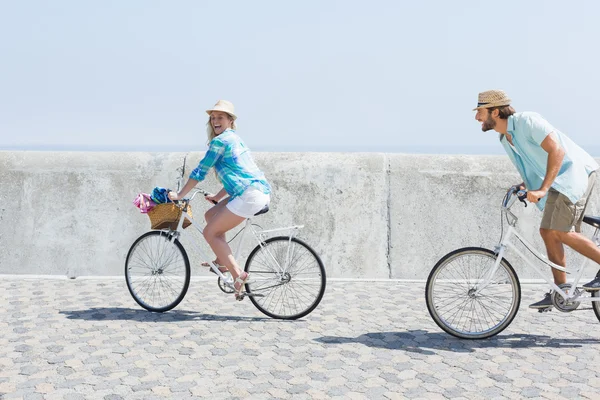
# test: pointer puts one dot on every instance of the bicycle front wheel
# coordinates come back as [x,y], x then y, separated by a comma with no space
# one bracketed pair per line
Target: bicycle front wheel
[157,271]
[287,278]
[465,301]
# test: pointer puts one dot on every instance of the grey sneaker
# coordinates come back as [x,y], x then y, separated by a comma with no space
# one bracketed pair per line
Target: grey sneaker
[545,303]
[593,285]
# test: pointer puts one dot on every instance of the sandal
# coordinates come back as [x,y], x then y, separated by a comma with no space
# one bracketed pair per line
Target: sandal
[242,282]
[221,268]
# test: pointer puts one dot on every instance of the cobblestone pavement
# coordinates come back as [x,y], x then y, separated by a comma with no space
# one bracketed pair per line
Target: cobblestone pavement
[88,339]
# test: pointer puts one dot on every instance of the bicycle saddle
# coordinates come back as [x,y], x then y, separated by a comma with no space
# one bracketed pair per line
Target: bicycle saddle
[263,211]
[593,221]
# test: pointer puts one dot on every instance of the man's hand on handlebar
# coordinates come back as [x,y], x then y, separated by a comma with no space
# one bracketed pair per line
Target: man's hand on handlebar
[521,192]
[533,196]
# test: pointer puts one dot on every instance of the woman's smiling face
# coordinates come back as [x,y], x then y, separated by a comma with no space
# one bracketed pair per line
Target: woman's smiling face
[220,121]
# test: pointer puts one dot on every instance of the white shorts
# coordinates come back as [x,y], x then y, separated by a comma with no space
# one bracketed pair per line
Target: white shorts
[249,203]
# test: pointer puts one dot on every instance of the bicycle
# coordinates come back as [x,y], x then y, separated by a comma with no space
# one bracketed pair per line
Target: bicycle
[475,293]
[287,277]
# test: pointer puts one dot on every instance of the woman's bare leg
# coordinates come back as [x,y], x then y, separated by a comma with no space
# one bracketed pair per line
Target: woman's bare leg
[214,233]
[210,214]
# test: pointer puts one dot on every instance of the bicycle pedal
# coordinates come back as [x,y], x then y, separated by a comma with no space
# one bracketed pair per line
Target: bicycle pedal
[543,310]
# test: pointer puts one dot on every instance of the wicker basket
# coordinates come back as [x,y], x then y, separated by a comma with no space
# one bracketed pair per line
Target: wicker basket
[167,215]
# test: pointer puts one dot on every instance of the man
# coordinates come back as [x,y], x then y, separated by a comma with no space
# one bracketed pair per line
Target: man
[558,174]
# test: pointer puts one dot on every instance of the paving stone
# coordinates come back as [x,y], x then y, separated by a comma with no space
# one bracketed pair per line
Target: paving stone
[80,339]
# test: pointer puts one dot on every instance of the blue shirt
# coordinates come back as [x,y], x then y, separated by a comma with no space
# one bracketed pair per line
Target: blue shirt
[528,131]
[234,165]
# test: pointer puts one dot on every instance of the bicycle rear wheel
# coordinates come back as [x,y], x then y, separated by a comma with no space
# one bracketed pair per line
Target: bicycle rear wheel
[460,305]
[285,290]
[596,304]
[157,271]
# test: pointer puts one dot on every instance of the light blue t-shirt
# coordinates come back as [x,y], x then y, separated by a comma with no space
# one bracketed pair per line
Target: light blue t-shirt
[528,131]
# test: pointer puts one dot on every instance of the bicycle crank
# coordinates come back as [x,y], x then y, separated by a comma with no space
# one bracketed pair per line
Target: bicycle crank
[225,287]
[565,305]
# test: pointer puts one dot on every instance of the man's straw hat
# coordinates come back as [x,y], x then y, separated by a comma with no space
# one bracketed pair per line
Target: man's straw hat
[492,98]
[224,106]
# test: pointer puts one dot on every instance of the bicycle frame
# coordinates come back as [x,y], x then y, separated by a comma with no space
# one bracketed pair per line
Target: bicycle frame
[259,235]
[506,243]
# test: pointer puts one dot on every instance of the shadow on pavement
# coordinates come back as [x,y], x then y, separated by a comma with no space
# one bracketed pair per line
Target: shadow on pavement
[420,341]
[133,314]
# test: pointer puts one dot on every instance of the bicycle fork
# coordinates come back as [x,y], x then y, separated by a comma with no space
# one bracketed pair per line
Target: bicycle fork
[487,278]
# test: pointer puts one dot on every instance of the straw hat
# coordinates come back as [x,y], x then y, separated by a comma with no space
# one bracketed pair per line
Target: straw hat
[224,106]
[492,98]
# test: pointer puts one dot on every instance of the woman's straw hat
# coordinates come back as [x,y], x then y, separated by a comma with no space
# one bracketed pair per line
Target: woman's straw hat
[224,106]
[492,98]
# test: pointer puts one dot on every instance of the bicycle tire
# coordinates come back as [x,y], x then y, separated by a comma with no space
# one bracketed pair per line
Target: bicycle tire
[153,263]
[306,272]
[465,301]
[596,304]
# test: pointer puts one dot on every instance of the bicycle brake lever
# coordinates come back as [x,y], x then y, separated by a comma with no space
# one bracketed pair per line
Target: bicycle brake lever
[522,195]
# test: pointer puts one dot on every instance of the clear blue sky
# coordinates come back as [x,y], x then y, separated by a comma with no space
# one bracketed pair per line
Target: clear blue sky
[304,75]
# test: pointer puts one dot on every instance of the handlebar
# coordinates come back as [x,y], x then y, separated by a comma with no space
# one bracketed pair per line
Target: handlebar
[522,196]
[196,191]
[514,191]
[519,193]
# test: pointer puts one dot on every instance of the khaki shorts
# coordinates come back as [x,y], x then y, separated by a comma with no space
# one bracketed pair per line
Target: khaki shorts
[561,214]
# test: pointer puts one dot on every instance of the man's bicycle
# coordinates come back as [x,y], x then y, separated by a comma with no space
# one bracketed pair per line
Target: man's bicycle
[474,293]
[287,277]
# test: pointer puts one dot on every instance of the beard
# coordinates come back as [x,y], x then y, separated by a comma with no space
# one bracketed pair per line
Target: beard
[488,124]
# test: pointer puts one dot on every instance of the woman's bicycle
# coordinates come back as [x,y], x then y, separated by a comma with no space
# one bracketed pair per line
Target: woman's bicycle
[474,293]
[287,277]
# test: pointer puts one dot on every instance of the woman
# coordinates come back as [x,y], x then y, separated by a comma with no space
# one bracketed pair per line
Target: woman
[243,182]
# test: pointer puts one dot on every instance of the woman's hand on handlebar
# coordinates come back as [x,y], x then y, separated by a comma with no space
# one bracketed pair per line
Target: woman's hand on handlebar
[213,198]
[173,196]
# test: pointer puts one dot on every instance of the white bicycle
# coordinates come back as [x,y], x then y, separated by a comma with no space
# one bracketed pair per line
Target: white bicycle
[474,293]
[287,277]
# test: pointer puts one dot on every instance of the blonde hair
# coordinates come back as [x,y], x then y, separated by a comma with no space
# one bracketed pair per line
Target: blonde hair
[210,132]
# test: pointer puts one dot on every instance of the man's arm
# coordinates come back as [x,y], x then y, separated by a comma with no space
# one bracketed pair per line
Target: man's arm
[556,154]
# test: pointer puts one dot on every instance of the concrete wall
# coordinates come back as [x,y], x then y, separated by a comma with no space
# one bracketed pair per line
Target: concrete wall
[369,215]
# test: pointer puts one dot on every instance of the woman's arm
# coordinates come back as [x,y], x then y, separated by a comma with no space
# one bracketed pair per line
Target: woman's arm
[189,185]
[214,152]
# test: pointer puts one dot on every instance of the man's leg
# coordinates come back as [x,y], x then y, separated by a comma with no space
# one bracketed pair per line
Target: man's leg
[586,247]
[556,253]
[581,244]
[553,213]
[576,240]
[560,217]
